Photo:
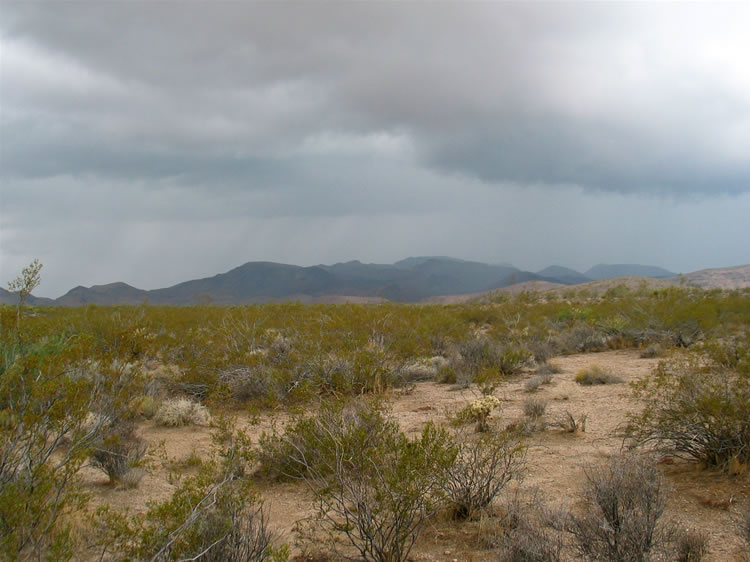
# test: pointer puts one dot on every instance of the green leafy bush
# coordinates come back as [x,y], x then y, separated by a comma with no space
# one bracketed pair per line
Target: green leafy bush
[695,410]
[373,485]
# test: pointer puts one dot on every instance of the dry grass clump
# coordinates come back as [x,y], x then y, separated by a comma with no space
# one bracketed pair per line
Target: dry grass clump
[534,408]
[181,411]
[596,375]
[691,546]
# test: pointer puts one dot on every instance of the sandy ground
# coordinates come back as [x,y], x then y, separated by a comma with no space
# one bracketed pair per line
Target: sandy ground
[700,499]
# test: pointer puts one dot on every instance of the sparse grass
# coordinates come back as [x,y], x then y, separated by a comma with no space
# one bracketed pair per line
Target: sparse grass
[569,424]
[596,375]
[181,411]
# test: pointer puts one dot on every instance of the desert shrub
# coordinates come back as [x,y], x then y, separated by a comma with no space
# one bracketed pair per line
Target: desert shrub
[534,408]
[581,338]
[484,354]
[148,406]
[542,351]
[533,384]
[48,387]
[622,505]
[652,351]
[447,375]
[315,437]
[117,452]
[569,424]
[526,530]
[212,515]
[177,412]
[690,546]
[595,375]
[483,467]
[548,369]
[374,486]
[478,411]
[695,410]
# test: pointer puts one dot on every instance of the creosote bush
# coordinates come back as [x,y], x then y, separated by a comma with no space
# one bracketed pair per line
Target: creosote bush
[695,410]
[373,486]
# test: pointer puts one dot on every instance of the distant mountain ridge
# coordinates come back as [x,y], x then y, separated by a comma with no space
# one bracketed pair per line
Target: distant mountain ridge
[608,271]
[411,280]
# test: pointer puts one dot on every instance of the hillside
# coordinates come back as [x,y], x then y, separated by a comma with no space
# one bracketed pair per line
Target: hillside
[417,279]
[608,271]
[719,278]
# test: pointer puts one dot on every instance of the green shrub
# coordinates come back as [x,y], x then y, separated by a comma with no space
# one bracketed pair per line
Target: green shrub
[595,375]
[694,410]
[351,424]
[48,389]
[374,487]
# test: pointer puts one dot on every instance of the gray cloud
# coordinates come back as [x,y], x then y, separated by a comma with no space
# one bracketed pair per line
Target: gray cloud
[401,127]
[625,98]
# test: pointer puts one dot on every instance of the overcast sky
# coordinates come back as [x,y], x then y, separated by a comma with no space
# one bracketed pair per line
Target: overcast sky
[154,142]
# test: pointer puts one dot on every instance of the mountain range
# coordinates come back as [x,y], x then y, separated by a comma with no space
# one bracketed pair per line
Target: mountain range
[410,280]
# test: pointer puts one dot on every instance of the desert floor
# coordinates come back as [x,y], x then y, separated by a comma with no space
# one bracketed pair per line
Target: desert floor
[704,500]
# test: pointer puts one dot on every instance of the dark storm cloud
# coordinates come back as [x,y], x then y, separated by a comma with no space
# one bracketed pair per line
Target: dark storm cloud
[611,97]
[158,141]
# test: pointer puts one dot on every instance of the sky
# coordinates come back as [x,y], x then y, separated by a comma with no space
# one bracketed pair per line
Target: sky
[153,142]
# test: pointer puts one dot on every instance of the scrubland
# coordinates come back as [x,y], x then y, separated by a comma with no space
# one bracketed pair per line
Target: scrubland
[542,426]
